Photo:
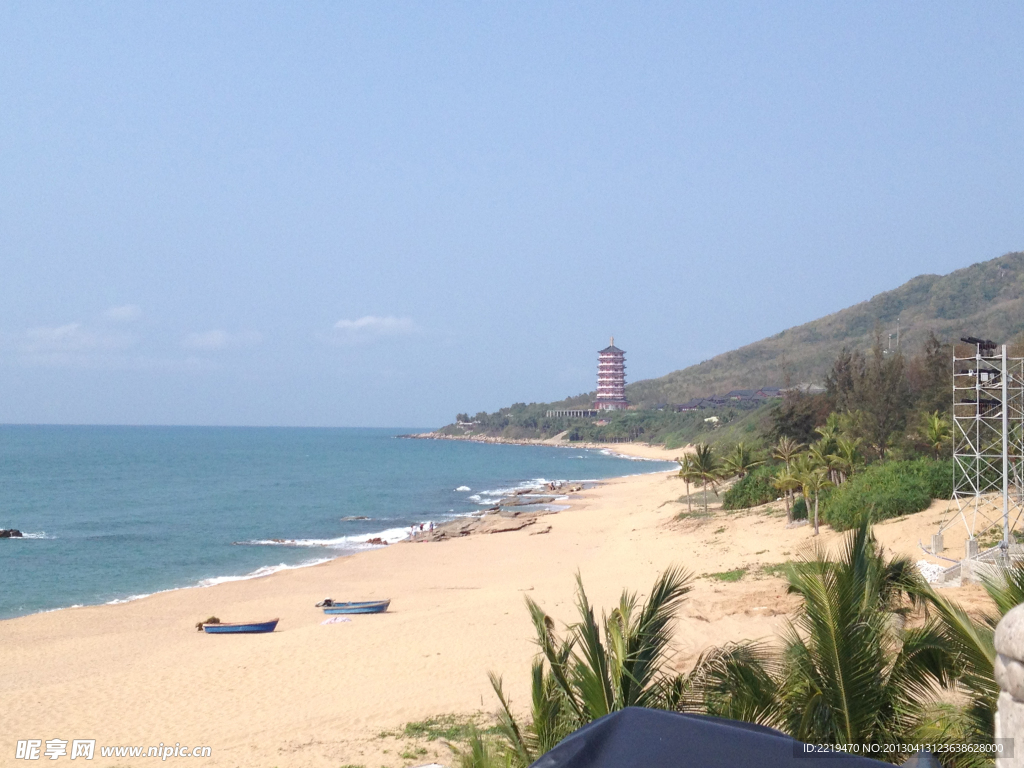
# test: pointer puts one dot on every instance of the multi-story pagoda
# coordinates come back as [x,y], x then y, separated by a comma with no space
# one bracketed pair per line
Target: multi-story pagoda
[611,379]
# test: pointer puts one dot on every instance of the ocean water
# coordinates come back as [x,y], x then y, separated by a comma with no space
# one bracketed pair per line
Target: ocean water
[112,513]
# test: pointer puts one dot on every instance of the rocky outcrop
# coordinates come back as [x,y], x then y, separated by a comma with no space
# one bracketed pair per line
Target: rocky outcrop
[10,533]
[501,521]
[1009,673]
[522,500]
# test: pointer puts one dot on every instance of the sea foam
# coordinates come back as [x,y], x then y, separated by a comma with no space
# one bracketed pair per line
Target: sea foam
[389,535]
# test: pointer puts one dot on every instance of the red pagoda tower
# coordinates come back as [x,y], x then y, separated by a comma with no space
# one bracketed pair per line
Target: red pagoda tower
[611,379]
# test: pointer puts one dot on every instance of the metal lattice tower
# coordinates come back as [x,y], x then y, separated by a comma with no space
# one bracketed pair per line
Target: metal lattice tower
[988,425]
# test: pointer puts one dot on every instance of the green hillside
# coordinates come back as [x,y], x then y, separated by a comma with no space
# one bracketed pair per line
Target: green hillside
[985,300]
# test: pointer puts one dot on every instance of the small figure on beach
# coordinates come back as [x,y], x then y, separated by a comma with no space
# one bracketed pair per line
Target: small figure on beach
[431,526]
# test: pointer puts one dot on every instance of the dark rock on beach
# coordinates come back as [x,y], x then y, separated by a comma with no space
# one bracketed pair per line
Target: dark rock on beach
[10,533]
[499,521]
[521,501]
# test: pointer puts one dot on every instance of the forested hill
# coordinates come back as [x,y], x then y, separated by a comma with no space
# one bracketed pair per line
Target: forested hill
[985,300]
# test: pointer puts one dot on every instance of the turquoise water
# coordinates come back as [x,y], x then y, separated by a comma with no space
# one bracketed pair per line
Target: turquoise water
[115,512]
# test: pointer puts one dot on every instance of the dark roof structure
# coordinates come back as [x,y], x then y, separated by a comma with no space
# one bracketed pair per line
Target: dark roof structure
[740,394]
[650,738]
[613,350]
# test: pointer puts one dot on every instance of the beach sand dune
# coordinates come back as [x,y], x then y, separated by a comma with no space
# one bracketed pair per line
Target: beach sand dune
[321,695]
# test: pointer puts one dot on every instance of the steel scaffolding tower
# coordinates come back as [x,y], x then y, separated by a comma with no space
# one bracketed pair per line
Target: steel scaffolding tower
[988,424]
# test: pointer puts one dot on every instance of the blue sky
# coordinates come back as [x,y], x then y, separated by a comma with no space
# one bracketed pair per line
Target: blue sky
[381,214]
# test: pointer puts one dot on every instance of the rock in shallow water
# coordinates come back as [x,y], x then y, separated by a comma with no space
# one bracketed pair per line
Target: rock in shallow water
[10,533]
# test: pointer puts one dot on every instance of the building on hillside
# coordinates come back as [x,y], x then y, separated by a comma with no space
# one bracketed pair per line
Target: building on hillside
[611,379]
[740,394]
[755,396]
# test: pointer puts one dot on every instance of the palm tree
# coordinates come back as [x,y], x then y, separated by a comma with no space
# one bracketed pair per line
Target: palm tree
[853,673]
[974,642]
[687,473]
[741,461]
[847,458]
[787,482]
[850,671]
[621,661]
[820,456]
[596,668]
[937,431]
[786,450]
[830,433]
[813,480]
[706,467]
[832,429]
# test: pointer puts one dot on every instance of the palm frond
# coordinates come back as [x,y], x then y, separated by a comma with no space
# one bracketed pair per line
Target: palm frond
[1006,590]
[557,653]
[480,754]
[553,719]
[738,681]
[648,639]
[589,673]
[508,727]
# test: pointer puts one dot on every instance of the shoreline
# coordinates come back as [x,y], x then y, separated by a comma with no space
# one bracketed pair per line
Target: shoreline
[387,536]
[632,450]
[320,695]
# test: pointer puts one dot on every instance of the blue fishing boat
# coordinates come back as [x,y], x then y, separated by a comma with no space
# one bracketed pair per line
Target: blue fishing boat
[365,606]
[246,627]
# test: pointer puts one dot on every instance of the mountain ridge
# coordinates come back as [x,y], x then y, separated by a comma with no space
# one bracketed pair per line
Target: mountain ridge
[985,299]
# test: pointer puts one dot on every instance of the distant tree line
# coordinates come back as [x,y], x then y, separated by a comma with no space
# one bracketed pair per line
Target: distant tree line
[885,399]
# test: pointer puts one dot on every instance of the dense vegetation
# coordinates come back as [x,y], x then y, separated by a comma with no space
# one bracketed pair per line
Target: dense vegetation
[741,421]
[756,488]
[887,490]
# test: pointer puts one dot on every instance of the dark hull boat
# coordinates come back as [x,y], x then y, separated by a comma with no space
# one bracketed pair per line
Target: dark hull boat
[243,628]
[366,606]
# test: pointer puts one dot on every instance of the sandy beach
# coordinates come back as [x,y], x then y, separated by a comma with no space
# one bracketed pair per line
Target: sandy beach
[327,695]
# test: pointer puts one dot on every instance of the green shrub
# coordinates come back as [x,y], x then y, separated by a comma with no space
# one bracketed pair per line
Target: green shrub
[800,509]
[887,490]
[756,488]
[939,477]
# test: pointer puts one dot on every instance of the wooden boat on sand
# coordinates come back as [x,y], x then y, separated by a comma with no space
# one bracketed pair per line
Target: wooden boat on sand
[240,628]
[364,606]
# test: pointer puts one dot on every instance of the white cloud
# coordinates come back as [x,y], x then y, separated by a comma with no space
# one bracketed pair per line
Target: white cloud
[371,327]
[123,314]
[70,344]
[71,337]
[211,341]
